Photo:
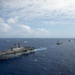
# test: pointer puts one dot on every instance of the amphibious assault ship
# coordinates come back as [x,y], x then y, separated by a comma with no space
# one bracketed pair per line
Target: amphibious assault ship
[15,51]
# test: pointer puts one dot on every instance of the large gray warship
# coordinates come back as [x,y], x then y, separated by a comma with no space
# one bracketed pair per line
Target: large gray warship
[17,50]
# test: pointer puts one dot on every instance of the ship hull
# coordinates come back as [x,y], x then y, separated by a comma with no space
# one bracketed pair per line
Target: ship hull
[15,54]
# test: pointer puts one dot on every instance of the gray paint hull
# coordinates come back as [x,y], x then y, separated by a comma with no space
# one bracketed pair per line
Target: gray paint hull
[14,54]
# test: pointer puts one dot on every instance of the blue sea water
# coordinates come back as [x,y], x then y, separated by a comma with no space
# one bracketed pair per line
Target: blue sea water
[49,58]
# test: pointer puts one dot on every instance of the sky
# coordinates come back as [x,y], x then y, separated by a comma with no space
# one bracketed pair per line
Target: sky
[37,18]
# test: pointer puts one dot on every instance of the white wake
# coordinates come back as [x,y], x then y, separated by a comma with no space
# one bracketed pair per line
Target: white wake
[40,49]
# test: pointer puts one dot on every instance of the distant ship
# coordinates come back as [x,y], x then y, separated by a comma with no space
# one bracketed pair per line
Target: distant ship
[59,42]
[7,41]
[25,41]
[69,40]
[17,50]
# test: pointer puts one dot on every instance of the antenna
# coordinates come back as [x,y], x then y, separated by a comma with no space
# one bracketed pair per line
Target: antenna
[15,46]
[19,45]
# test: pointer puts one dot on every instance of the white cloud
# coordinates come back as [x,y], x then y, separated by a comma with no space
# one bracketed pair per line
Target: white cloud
[30,32]
[44,4]
[41,32]
[69,1]
[11,20]
[26,28]
[50,12]
[33,9]
[4,27]
[21,30]
[29,9]
[1,20]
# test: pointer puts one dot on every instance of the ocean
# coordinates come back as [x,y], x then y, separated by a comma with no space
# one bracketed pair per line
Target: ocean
[49,58]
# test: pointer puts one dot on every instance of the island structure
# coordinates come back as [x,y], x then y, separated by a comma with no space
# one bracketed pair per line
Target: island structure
[15,51]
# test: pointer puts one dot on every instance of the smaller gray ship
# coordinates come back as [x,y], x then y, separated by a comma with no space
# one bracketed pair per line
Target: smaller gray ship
[17,50]
[59,42]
